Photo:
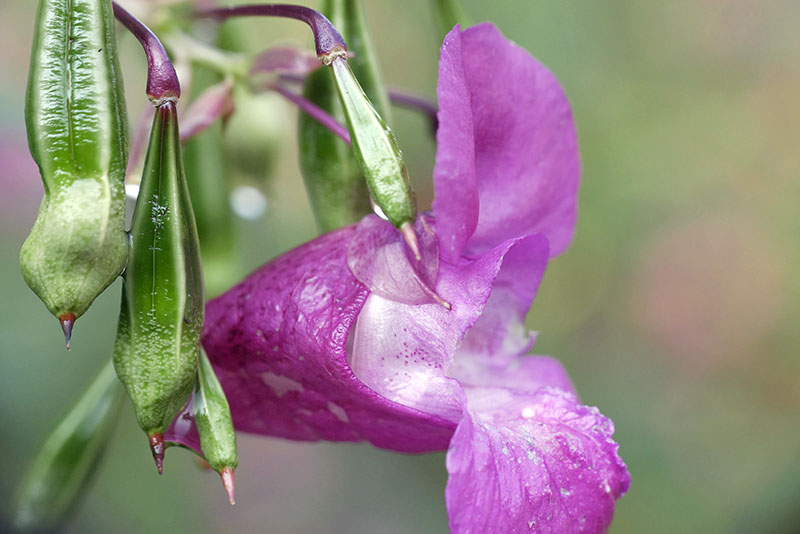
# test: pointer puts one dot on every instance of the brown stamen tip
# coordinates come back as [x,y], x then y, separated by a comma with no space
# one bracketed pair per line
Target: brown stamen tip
[410,237]
[67,320]
[157,447]
[227,480]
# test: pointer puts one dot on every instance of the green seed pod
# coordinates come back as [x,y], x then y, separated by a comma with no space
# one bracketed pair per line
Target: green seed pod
[364,62]
[333,179]
[209,191]
[448,14]
[376,150]
[69,457]
[212,415]
[158,336]
[77,134]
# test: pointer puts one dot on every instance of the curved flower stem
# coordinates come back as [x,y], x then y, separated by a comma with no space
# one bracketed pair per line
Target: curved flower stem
[162,81]
[224,62]
[314,111]
[329,42]
[397,97]
[374,145]
[416,103]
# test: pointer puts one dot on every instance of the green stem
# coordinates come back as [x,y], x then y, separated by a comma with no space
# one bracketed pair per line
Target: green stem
[448,14]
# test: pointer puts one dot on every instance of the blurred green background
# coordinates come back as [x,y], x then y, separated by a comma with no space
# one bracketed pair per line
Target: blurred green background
[676,309]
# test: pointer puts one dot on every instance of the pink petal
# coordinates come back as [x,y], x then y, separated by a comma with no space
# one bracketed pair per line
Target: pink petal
[285,60]
[214,103]
[532,462]
[380,259]
[456,200]
[405,352]
[519,373]
[277,341]
[507,151]
[500,332]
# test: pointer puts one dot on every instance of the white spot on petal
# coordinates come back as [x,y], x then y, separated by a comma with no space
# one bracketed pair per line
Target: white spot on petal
[280,384]
[338,411]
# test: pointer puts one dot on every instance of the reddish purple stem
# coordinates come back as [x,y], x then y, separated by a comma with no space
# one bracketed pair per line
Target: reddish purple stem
[397,97]
[417,103]
[314,111]
[326,37]
[162,81]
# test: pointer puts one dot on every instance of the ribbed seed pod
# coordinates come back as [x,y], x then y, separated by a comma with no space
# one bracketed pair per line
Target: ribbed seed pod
[69,457]
[376,150]
[364,61]
[212,415]
[77,133]
[209,190]
[333,179]
[158,336]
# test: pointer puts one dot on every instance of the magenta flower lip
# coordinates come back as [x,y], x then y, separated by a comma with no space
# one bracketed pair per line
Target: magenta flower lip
[342,339]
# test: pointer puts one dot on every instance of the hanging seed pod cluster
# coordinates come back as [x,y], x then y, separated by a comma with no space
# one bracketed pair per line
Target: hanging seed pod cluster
[77,130]
[78,135]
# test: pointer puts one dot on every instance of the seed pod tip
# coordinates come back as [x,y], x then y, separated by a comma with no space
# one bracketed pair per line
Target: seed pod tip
[226,474]
[157,447]
[67,320]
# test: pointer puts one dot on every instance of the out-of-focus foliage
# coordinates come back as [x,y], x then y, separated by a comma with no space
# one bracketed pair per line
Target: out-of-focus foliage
[675,310]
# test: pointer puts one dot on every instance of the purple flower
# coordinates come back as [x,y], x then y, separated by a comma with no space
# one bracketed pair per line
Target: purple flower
[343,338]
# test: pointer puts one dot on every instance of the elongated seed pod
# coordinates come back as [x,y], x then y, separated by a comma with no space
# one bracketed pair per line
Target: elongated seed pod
[77,134]
[210,192]
[69,457]
[376,150]
[161,316]
[334,181]
[212,415]
[364,61]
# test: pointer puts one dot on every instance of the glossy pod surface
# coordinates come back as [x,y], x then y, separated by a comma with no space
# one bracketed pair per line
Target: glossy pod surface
[212,415]
[376,149]
[77,134]
[333,177]
[162,306]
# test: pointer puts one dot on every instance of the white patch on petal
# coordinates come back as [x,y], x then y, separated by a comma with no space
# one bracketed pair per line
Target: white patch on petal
[338,411]
[281,384]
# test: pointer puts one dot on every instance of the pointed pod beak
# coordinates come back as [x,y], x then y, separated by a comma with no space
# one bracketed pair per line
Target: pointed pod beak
[67,320]
[157,448]
[226,474]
